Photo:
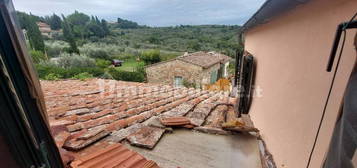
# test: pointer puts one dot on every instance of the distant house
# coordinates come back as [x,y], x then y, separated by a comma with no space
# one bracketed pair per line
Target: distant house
[196,69]
[45,29]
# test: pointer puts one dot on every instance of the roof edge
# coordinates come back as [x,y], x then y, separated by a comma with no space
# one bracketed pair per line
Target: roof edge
[179,59]
[269,10]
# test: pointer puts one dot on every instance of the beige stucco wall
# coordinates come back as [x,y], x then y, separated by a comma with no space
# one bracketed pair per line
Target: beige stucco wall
[292,51]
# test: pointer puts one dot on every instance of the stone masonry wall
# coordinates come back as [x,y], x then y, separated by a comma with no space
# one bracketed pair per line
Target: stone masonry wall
[206,73]
[165,72]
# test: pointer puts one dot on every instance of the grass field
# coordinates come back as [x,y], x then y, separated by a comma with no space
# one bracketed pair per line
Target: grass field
[130,65]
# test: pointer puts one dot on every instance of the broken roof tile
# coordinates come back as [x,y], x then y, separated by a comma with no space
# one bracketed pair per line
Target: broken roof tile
[120,135]
[92,132]
[154,122]
[78,144]
[61,138]
[175,121]
[146,137]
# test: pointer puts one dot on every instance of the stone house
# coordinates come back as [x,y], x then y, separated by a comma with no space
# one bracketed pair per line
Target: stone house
[46,30]
[196,69]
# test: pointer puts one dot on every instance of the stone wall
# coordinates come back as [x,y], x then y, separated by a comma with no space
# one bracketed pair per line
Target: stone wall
[206,73]
[165,72]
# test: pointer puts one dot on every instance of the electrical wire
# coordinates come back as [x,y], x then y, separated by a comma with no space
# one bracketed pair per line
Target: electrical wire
[330,90]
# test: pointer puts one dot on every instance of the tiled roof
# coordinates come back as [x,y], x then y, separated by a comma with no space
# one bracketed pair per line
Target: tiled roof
[204,59]
[115,155]
[111,111]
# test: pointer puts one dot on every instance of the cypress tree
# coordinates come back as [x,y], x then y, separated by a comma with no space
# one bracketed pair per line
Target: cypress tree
[34,34]
[55,22]
[69,37]
[105,27]
[97,21]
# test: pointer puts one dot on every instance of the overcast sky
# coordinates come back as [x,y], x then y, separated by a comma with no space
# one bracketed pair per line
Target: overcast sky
[150,12]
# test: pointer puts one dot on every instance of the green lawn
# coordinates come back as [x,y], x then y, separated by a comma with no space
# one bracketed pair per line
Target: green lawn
[130,65]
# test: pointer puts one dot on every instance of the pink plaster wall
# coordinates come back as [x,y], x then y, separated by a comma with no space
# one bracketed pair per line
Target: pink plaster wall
[292,51]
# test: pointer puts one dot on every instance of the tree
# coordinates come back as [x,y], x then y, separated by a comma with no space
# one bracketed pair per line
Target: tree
[95,29]
[105,27]
[22,18]
[35,37]
[78,22]
[151,56]
[55,22]
[97,20]
[37,56]
[28,22]
[126,24]
[194,45]
[78,18]
[68,35]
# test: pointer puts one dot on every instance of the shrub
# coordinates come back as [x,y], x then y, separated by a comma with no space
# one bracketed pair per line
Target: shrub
[151,56]
[169,55]
[45,69]
[73,60]
[101,50]
[102,63]
[83,76]
[37,56]
[106,75]
[99,53]
[125,56]
[54,52]
[96,72]
[52,76]
[126,75]
[55,48]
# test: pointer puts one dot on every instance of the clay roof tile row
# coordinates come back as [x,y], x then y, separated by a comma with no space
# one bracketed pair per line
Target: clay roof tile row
[111,111]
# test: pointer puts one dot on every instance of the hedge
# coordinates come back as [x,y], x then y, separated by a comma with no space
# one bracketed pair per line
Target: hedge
[44,70]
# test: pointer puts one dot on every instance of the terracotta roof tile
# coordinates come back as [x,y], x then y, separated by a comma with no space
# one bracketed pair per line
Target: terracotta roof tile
[93,109]
[115,155]
[78,144]
[121,134]
[175,121]
[199,114]
[217,116]
[146,137]
[205,59]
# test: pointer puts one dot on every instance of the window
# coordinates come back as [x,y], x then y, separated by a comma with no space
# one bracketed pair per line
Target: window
[214,74]
[178,81]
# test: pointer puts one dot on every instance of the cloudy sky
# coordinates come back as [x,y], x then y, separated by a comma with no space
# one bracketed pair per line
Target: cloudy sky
[150,12]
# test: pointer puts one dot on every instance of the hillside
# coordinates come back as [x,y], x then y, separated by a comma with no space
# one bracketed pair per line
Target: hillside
[180,38]
[87,45]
